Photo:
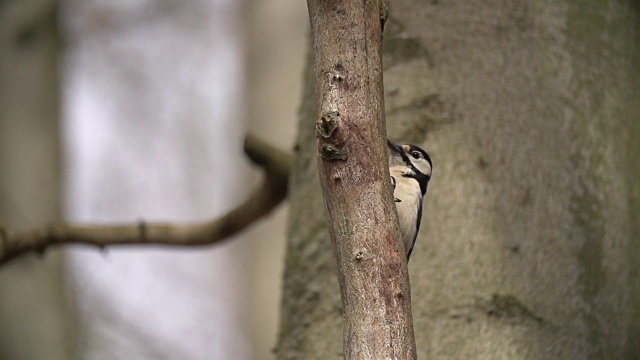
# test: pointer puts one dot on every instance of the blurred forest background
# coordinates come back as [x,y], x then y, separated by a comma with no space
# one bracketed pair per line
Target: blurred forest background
[116,111]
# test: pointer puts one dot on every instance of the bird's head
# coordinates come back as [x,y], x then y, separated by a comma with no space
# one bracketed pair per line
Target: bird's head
[416,160]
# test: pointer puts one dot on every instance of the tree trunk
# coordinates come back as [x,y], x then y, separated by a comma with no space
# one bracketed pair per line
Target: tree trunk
[529,247]
[352,162]
[33,316]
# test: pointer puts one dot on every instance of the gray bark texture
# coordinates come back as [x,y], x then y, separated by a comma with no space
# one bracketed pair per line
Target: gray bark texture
[34,321]
[530,243]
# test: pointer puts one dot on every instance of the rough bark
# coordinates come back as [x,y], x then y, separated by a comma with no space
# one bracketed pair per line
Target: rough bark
[529,247]
[354,177]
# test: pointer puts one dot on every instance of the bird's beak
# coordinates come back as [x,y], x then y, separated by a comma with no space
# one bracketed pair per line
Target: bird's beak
[395,148]
[395,154]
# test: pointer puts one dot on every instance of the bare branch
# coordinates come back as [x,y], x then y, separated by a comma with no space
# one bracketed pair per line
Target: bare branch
[273,190]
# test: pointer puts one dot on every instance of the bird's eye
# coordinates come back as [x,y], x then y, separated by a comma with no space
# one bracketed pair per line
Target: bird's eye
[416,155]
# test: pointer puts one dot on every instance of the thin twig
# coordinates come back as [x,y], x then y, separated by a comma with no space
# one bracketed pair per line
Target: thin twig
[273,190]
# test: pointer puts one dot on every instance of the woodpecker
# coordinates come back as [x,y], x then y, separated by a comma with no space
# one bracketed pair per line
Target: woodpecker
[410,169]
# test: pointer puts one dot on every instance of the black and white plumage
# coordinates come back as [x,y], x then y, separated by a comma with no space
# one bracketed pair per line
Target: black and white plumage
[410,169]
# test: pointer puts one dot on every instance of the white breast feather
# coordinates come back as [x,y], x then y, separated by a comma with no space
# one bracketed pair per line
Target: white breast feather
[408,192]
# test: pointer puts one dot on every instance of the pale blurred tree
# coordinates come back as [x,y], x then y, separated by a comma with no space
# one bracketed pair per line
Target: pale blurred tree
[33,317]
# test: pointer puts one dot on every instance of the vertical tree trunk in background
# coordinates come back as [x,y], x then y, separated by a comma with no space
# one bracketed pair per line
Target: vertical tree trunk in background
[272,83]
[33,323]
[161,114]
[529,247]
